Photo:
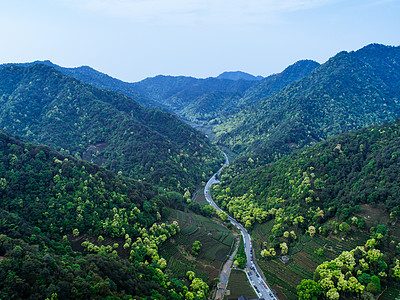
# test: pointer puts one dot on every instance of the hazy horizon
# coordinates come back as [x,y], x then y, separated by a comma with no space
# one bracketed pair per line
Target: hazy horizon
[135,39]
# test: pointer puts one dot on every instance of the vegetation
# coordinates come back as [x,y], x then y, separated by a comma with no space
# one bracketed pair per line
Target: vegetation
[54,205]
[276,82]
[238,285]
[321,191]
[193,99]
[100,80]
[196,247]
[42,105]
[240,257]
[350,91]
[361,271]
[217,243]
[330,179]
[71,229]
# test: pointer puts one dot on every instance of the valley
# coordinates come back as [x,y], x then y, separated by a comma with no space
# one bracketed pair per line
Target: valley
[116,190]
[252,273]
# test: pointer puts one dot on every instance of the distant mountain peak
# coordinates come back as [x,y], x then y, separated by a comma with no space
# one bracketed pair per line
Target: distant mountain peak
[238,75]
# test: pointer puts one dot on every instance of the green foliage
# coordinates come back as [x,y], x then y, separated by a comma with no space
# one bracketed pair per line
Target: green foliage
[239,285]
[51,202]
[196,248]
[328,101]
[344,227]
[240,257]
[42,105]
[309,290]
[61,195]
[351,273]
[374,286]
[194,99]
[285,191]
[320,252]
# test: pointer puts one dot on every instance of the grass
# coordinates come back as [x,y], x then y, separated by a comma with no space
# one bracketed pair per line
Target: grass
[216,243]
[239,286]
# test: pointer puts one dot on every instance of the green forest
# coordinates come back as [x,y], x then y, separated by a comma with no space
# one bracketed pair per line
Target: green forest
[42,105]
[102,198]
[319,191]
[350,91]
[68,227]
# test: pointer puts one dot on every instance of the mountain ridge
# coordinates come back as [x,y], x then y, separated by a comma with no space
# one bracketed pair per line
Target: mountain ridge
[349,88]
[238,75]
[43,105]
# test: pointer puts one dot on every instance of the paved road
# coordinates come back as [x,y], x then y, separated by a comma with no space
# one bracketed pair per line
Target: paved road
[260,286]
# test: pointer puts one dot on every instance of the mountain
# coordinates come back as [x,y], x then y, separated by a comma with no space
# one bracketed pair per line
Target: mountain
[349,169]
[336,196]
[176,92]
[202,100]
[238,75]
[349,91]
[72,230]
[45,106]
[274,83]
[100,80]
[193,99]
[217,105]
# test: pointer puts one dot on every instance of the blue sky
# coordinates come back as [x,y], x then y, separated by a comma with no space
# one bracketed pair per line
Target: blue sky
[135,39]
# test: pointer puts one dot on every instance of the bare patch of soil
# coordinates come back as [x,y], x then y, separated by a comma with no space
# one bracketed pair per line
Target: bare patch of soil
[94,153]
[373,214]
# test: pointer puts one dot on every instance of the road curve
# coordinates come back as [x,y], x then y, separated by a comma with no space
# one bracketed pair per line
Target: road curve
[257,282]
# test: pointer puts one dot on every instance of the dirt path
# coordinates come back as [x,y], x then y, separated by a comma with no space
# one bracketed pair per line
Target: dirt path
[224,276]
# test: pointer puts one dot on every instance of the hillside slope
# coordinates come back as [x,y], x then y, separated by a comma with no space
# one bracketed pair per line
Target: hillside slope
[98,79]
[45,106]
[219,105]
[181,94]
[274,83]
[350,91]
[54,205]
[336,195]
[197,100]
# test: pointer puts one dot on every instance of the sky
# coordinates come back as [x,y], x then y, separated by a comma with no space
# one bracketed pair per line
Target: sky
[134,39]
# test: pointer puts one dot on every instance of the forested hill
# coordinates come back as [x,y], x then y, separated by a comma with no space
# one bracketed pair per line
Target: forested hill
[274,83]
[335,175]
[179,92]
[347,183]
[98,79]
[194,99]
[238,75]
[214,106]
[52,206]
[349,91]
[45,106]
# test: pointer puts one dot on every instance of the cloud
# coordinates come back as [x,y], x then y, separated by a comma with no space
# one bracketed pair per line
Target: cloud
[183,11]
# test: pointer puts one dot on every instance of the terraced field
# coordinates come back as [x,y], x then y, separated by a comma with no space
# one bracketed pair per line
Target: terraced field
[303,256]
[216,243]
[238,285]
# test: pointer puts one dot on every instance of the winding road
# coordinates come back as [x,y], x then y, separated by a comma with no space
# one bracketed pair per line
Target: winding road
[256,280]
